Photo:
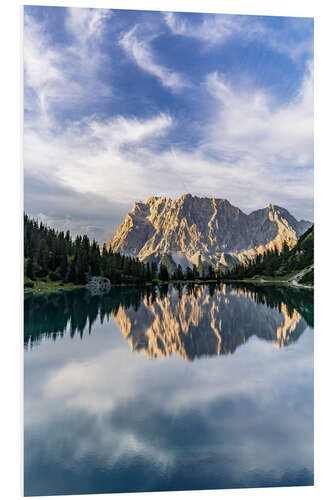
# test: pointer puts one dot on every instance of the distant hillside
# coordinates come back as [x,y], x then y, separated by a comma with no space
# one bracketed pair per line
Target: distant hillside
[298,261]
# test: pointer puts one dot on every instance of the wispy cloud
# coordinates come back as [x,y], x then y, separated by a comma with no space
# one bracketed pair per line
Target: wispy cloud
[218,29]
[245,144]
[250,122]
[96,156]
[42,67]
[212,30]
[87,24]
[139,50]
[248,146]
[60,79]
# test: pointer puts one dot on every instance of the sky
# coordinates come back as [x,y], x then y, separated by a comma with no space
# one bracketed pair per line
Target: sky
[123,105]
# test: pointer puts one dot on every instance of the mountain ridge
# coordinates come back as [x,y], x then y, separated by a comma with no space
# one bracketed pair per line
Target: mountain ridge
[203,231]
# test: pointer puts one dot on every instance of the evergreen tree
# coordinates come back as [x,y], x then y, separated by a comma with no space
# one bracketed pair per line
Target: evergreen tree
[30,269]
[211,274]
[63,266]
[148,272]
[43,255]
[71,278]
[188,273]
[179,273]
[95,257]
[153,270]
[163,275]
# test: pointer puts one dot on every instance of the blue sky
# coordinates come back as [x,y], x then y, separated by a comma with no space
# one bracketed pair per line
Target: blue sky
[122,105]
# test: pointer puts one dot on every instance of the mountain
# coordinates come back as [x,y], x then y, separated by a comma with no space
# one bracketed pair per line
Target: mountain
[203,324]
[202,231]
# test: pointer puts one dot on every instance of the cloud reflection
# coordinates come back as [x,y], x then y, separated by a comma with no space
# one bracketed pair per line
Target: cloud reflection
[101,418]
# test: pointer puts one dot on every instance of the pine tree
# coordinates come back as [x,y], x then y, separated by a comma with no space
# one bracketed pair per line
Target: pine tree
[211,274]
[63,266]
[188,273]
[163,275]
[71,278]
[95,267]
[285,248]
[153,270]
[30,269]
[195,272]
[148,272]
[43,255]
[179,273]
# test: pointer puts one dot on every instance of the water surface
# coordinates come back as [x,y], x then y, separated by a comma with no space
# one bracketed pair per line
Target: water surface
[170,388]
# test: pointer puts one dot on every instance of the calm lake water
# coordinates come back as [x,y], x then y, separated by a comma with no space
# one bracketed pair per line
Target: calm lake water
[170,388]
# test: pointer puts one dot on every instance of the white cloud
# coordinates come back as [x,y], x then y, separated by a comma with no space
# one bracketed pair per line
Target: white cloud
[218,29]
[292,50]
[98,157]
[41,64]
[252,152]
[212,30]
[119,131]
[87,27]
[62,78]
[139,50]
[249,122]
[86,24]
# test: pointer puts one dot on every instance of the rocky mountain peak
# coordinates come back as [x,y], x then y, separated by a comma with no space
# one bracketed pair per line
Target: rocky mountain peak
[193,229]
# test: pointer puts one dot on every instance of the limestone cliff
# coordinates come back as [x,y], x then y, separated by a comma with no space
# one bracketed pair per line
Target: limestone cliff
[190,229]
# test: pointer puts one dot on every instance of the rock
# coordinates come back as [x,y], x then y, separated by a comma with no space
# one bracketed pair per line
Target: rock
[202,231]
[99,285]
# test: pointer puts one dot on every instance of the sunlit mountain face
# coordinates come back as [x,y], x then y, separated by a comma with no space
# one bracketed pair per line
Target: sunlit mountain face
[190,321]
[203,231]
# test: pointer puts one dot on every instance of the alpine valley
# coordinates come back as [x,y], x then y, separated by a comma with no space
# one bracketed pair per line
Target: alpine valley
[203,231]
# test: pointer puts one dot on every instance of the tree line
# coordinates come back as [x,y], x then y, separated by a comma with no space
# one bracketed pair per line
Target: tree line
[56,256]
[56,315]
[278,263]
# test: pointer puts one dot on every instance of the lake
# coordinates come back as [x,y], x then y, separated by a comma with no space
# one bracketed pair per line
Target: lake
[168,388]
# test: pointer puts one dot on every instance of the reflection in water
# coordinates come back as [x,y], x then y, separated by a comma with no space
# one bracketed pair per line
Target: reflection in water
[191,321]
[201,324]
[99,418]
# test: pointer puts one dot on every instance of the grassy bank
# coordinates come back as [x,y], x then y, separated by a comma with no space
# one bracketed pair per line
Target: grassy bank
[48,286]
[45,286]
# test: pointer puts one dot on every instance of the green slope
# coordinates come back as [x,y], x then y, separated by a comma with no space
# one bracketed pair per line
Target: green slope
[283,265]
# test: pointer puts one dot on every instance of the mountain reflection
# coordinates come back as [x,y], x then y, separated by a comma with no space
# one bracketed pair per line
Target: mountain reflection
[191,321]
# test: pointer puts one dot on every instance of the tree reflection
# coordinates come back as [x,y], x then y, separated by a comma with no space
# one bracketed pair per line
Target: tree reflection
[74,313]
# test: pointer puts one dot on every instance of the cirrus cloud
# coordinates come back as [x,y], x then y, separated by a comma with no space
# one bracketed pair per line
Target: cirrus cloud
[139,49]
[101,137]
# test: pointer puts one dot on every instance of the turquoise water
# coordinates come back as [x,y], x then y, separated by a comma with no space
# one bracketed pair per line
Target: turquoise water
[171,388]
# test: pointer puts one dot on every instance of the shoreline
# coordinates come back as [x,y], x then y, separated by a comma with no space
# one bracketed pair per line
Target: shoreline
[263,281]
[42,288]
[47,287]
